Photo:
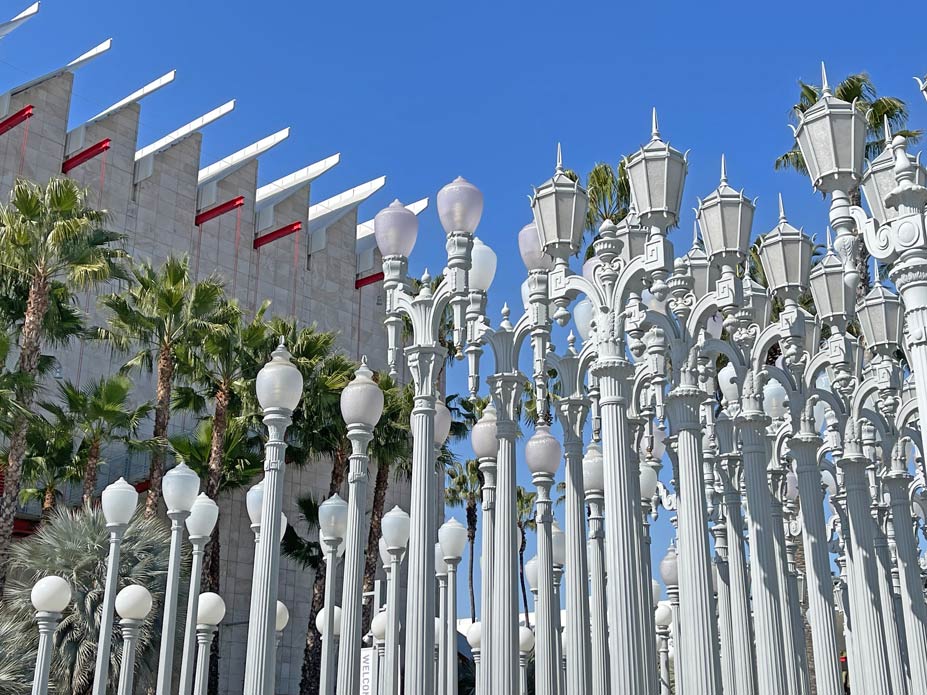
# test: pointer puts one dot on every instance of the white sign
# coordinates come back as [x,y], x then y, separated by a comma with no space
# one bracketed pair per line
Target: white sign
[368,671]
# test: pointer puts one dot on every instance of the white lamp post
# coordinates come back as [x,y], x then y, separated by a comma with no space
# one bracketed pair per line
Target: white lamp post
[525,645]
[452,537]
[279,388]
[475,640]
[361,408]
[669,573]
[395,528]
[118,501]
[558,555]
[663,617]
[441,635]
[333,523]
[485,442]
[50,596]
[133,604]
[209,613]
[179,488]
[202,520]
[594,484]
[378,629]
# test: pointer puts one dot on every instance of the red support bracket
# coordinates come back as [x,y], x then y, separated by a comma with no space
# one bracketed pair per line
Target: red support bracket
[285,230]
[85,155]
[369,280]
[218,210]
[20,116]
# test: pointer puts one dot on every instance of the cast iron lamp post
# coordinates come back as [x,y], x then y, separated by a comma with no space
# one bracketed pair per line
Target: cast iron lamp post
[333,522]
[50,596]
[395,528]
[475,640]
[594,485]
[452,537]
[209,613]
[133,604]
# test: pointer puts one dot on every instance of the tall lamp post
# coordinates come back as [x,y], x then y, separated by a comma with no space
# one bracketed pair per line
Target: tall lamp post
[133,604]
[333,522]
[118,500]
[361,408]
[452,536]
[50,596]
[395,528]
[279,388]
[475,640]
[594,483]
[209,613]
[180,487]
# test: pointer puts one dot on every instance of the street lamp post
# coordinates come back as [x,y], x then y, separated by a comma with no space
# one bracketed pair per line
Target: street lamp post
[441,635]
[361,408]
[118,501]
[452,537]
[209,613]
[50,596]
[485,442]
[279,388]
[669,573]
[594,484]
[395,528]
[475,640]
[525,645]
[133,604]
[333,521]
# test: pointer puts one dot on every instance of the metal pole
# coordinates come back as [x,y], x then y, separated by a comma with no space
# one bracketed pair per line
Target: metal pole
[101,672]
[171,595]
[545,672]
[47,623]
[391,680]
[559,657]
[523,674]
[450,617]
[487,577]
[327,680]
[598,616]
[130,632]
[440,638]
[477,683]
[725,623]
[663,649]
[204,635]
[189,638]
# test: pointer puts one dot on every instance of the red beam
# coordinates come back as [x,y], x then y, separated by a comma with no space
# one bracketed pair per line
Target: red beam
[220,209]
[20,116]
[285,230]
[85,155]
[369,280]
[24,527]
[142,485]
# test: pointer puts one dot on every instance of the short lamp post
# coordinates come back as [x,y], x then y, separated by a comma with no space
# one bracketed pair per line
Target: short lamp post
[202,520]
[594,486]
[279,387]
[378,630]
[663,618]
[452,537]
[525,645]
[395,529]
[133,604]
[328,623]
[361,408]
[558,552]
[209,613]
[283,619]
[333,521]
[669,573]
[180,487]
[441,635]
[50,596]
[118,501]
[475,640]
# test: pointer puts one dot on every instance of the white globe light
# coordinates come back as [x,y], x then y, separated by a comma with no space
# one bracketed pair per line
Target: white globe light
[583,315]
[525,639]
[133,602]
[529,246]
[452,537]
[483,436]
[727,382]
[383,547]
[118,502]
[657,592]
[648,478]
[279,384]
[395,528]
[774,399]
[51,594]
[531,573]
[663,615]
[791,486]
[557,544]
[210,609]
[543,452]
[715,325]
[483,266]
[378,625]
[180,487]
[659,443]
[333,517]
[440,562]
[460,206]
[395,229]
[594,468]
[362,399]
[828,481]
[321,617]
[669,568]
[475,635]
[254,500]
[203,517]
[442,422]
[282,616]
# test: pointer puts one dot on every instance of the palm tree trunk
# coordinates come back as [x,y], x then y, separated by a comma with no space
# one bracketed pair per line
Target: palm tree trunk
[90,472]
[381,485]
[210,582]
[30,351]
[48,501]
[471,537]
[806,627]
[862,254]
[162,418]
[312,655]
[521,563]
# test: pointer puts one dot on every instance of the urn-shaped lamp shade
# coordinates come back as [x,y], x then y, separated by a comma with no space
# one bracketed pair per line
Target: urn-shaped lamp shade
[362,399]
[333,517]
[725,218]
[475,635]
[648,478]
[279,384]
[529,246]
[663,615]
[452,536]
[180,486]
[531,573]
[483,266]
[483,436]
[775,399]
[659,443]
[442,421]
[657,175]
[133,602]
[254,500]
[832,138]
[210,609]
[203,517]
[460,206]
[118,501]
[51,594]
[395,528]
[583,315]
[833,297]
[543,452]
[557,544]
[881,318]
[879,179]
[378,625]
[669,568]
[559,205]
[440,562]
[395,229]
[282,617]
[786,256]
[728,383]
[322,616]
[594,468]
[525,639]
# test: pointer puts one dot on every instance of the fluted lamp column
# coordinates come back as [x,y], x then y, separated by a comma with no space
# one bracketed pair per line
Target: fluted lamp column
[133,604]
[50,596]
[395,529]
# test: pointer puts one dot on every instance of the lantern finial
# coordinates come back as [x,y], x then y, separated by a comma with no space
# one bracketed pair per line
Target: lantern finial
[888,131]
[723,170]
[825,88]
[781,210]
[654,126]
[694,233]
[830,241]
[559,158]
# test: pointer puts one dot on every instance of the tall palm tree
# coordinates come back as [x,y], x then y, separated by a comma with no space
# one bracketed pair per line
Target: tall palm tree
[609,196]
[877,109]
[524,520]
[49,237]
[99,414]
[50,463]
[465,489]
[163,312]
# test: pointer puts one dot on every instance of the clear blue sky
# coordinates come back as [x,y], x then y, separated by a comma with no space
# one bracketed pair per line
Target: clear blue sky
[424,91]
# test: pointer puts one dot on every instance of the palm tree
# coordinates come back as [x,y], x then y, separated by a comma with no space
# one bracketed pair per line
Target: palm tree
[49,464]
[465,489]
[878,110]
[524,516]
[165,311]
[49,238]
[99,414]
[74,544]
[609,196]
